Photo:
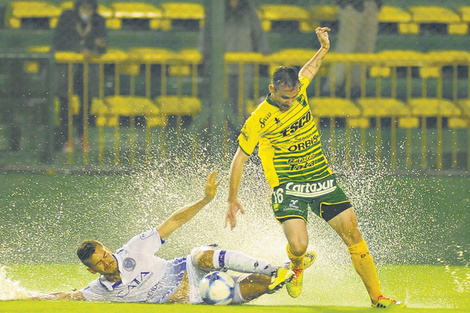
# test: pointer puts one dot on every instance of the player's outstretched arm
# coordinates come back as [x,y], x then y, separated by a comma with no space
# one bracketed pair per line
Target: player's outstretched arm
[310,69]
[236,171]
[74,295]
[183,215]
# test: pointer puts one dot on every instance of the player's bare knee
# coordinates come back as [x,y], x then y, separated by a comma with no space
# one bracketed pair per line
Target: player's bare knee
[298,247]
[202,257]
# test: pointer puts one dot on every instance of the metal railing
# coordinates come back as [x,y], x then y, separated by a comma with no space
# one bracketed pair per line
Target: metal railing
[402,88]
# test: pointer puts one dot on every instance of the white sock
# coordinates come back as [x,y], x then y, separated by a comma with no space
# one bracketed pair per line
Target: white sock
[240,262]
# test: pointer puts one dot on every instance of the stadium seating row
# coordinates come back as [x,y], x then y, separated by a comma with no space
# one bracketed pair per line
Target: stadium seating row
[158,17]
[164,16]
[109,109]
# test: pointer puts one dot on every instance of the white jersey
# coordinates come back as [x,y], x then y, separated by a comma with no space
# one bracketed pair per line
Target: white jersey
[144,276]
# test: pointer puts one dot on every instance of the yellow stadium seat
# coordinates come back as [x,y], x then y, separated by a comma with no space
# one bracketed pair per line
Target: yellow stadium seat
[100,109]
[32,67]
[112,55]
[358,122]
[394,58]
[17,11]
[442,57]
[269,13]
[137,11]
[334,107]
[395,15]
[144,55]
[103,10]
[131,106]
[68,56]
[181,11]
[382,107]
[464,105]
[191,55]
[323,15]
[402,56]
[464,13]
[441,15]
[457,122]
[182,61]
[74,105]
[38,49]
[408,122]
[426,107]
[449,56]
[179,105]
[157,121]
[288,57]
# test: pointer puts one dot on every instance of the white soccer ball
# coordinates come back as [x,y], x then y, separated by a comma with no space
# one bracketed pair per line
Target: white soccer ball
[217,288]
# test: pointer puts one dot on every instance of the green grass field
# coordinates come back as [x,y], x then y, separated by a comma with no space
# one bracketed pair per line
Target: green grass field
[327,288]
[416,228]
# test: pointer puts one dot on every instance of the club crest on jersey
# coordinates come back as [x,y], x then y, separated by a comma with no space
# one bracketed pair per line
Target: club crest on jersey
[129,264]
[301,100]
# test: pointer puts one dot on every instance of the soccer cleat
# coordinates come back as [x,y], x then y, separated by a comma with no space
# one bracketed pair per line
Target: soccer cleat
[387,303]
[294,287]
[282,276]
[309,259]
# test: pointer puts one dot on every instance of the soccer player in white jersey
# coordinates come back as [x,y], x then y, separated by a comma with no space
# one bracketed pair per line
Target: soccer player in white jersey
[134,274]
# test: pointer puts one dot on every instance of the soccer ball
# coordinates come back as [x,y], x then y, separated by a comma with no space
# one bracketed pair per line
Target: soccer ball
[217,288]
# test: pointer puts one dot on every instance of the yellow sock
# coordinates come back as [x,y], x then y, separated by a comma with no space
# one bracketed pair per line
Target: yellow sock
[297,261]
[364,265]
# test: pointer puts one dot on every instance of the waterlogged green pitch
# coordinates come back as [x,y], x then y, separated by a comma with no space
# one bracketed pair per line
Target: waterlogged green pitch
[416,227]
[327,288]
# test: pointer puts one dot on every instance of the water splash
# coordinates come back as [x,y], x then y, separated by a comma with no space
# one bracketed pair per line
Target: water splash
[10,289]
[44,222]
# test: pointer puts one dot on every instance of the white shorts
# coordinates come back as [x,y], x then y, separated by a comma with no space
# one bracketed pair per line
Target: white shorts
[195,275]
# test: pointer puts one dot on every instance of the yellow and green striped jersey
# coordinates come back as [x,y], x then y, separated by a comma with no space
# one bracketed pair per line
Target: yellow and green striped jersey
[289,142]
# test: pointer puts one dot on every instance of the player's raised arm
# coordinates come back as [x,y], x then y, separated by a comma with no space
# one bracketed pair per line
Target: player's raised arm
[183,215]
[236,171]
[312,66]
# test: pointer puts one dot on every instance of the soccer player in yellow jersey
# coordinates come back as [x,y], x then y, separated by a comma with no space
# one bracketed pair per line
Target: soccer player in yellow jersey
[298,172]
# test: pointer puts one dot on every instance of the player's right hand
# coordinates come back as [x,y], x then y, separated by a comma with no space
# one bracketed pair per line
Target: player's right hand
[231,216]
[211,186]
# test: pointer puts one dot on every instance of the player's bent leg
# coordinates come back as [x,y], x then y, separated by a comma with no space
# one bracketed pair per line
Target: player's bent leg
[345,224]
[202,257]
[249,287]
[364,265]
[210,258]
[297,236]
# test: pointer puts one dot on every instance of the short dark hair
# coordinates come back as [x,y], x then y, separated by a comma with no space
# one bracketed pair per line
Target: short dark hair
[287,76]
[86,249]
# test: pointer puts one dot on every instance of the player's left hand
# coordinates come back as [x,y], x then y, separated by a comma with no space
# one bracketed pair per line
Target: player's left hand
[322,34]
[211,186]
